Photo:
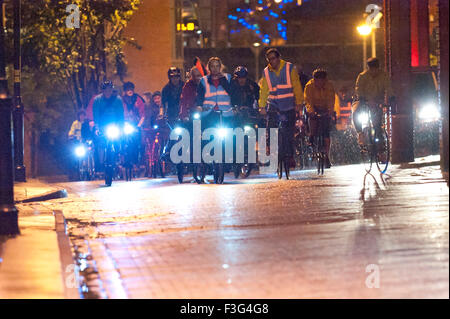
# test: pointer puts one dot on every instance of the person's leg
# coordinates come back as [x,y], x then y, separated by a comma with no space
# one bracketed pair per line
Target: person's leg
[358,126]
[271,122]
[327,139]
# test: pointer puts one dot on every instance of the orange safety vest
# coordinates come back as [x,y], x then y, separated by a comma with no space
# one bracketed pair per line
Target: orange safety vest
[346,110]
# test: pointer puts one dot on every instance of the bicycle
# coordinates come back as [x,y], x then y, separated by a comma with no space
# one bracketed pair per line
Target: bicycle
[376,146]
[303,150]
[283,145]
[248,121]
[218,169]
[320,154]
[85,154]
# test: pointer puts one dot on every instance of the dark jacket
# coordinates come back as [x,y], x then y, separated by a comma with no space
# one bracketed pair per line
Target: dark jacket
[171,99]
[188,97]
[244,95]
[107,111]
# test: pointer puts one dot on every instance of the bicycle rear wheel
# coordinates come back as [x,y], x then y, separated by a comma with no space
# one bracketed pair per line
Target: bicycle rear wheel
[383,153]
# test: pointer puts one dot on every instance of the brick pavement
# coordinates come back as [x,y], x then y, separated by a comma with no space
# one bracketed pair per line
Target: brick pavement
[311,237]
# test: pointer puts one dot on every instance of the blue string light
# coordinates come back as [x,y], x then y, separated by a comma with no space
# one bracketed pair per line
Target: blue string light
[247,16]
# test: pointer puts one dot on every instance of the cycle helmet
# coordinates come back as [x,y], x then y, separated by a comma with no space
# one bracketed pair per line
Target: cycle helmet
[107,84]
[128,86]
[241,72]
[320,74]
[173,71]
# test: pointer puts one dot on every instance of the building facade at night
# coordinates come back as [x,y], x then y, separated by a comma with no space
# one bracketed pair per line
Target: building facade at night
[412,43]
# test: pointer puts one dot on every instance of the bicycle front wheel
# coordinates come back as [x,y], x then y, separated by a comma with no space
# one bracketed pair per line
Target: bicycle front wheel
[367,150]
[383,153]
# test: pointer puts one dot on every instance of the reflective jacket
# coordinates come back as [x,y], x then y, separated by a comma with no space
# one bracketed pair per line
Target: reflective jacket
[281,88]
[209,96]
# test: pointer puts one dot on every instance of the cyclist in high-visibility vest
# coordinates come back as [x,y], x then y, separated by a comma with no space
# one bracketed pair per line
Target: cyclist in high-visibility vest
[281,91]
[214,92]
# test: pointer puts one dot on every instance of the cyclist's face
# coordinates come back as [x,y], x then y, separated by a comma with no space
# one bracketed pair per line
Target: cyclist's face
[107,92]
[196,75]
[320,82]
[129,92]
[157,100]
[273,60]
[242,81]
[175,80]
[214,67]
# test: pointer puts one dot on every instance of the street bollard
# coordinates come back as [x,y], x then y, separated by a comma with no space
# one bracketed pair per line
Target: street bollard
[8,212]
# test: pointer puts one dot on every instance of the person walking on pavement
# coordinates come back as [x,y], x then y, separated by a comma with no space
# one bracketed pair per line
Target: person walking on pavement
[320,98]
[281,91]
[171,94]
[374,88]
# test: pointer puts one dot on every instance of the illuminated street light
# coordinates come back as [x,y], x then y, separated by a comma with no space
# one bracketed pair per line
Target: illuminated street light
[364,30]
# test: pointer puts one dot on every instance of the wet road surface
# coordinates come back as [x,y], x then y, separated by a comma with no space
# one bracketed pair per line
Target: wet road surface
[342,235]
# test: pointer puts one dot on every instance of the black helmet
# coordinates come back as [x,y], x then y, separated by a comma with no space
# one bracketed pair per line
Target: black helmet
[128,86]
[241,72]
[107,84]
[320,73]
[173,71]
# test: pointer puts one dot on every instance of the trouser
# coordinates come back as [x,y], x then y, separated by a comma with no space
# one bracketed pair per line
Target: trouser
[272,121]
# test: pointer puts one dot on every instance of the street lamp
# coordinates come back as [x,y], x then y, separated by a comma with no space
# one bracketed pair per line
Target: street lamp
[256,49]
[364,30]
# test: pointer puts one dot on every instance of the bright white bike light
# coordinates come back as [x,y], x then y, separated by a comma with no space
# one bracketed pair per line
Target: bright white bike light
[155,127]
[80,151]
[363,118]
[128,129]
[247,128]
[222,132]
[112,132]
[196,116]
[429,113]
[178,130]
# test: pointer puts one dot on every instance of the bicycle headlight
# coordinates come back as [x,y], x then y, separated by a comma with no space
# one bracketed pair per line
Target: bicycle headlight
[155,127]
[429,113]
[178,130]
[112,132]
[128,129]
[247,128]
[80,151]
[196,116]
[363,118]
[222,132]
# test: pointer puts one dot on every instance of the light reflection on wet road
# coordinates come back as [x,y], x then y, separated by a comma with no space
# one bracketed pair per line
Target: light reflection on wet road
[310,237]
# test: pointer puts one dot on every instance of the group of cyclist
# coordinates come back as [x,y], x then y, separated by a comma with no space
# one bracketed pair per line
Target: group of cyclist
[232,98]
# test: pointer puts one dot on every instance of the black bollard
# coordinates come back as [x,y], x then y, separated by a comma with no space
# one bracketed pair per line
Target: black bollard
[8,212]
